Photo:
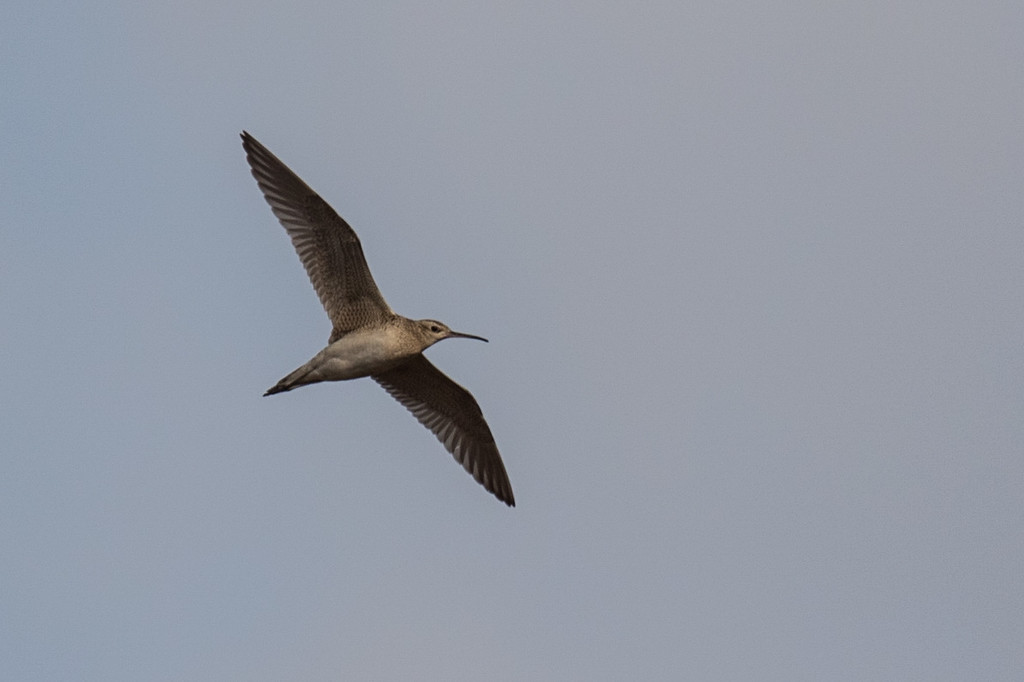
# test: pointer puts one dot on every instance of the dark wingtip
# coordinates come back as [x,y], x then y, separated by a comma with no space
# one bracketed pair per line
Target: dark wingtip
[504,494]
[249,143]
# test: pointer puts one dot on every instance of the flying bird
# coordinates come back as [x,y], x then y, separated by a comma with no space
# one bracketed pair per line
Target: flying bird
[368,338]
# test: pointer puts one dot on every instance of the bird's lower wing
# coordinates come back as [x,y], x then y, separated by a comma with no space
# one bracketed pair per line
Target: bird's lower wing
[454,416]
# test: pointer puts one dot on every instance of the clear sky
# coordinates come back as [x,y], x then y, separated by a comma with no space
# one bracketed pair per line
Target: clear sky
[753,276]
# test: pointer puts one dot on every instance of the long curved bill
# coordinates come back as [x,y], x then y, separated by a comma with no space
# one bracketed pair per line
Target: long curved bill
[460,335]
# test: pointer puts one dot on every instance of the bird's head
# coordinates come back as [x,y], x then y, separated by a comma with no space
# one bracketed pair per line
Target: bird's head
[435,331]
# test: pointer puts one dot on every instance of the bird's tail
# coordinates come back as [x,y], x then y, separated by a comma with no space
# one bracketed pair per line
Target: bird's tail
[300,377]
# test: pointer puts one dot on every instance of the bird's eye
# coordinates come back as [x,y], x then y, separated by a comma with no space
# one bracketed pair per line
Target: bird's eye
[434,328]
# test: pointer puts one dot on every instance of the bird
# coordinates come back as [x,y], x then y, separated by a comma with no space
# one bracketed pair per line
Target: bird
[368,338]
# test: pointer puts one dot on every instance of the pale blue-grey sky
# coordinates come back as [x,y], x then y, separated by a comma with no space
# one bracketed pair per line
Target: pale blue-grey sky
[753,277]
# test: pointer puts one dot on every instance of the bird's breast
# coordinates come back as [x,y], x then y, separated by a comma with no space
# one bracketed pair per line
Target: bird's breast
[361,353]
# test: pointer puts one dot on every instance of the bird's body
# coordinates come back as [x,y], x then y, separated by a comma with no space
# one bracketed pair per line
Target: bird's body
[365,351]
[368,338]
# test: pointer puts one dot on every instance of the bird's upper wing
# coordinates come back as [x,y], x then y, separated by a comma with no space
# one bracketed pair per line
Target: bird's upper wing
[328,248]
[453,415]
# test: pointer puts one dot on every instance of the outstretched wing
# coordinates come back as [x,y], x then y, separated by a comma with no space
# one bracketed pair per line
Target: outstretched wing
[328,248]
[452,414]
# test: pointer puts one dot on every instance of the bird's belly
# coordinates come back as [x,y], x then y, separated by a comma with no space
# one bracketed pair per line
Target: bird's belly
[358,354]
